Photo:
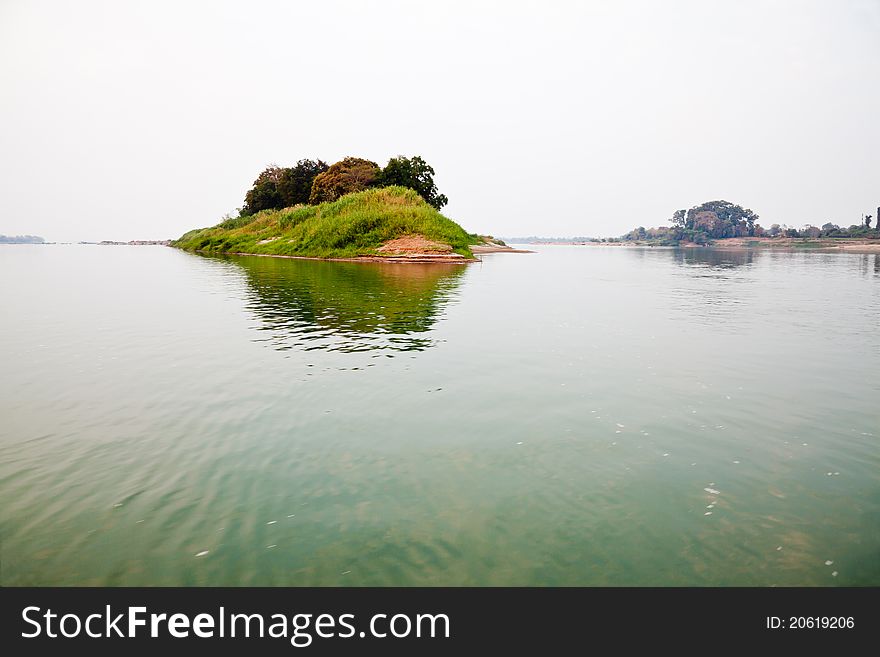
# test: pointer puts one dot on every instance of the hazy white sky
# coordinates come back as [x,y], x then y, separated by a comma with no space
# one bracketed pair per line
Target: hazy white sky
[125,120]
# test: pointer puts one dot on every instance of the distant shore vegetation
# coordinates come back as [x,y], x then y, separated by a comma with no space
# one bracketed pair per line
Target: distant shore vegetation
[715,220]
[21,239]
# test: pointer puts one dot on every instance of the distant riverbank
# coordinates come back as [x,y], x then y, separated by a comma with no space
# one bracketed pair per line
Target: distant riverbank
[846,245]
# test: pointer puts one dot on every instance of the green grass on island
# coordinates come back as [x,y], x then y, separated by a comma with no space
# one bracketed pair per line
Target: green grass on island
[355,225]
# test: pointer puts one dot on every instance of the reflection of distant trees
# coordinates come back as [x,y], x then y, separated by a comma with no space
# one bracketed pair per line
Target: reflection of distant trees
[714,257]
[870,263]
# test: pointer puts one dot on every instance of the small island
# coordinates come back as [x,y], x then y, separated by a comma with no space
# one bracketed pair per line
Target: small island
[351,210]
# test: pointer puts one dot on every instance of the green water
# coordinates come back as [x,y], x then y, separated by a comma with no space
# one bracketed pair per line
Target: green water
[553,418]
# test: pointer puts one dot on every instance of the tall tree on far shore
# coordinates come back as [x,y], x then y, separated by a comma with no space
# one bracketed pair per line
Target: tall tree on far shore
[718,219]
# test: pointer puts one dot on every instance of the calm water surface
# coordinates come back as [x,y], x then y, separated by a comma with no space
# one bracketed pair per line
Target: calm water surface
[574,416]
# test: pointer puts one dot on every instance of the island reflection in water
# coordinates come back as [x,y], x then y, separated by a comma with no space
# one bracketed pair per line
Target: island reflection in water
[563,430]
[347,306]
[715,258]
[699,257]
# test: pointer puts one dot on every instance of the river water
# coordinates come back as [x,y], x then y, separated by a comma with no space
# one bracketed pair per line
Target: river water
[574,416]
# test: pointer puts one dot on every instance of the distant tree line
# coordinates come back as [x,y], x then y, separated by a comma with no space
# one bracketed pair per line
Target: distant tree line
[825,230]
[720,219]
[310,182]
[21,239]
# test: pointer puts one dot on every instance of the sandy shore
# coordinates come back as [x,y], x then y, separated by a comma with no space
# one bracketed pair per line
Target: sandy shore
[420,258]
[860,248]
[408,249]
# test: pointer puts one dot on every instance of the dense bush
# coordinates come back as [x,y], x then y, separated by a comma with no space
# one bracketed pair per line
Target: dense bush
[717,219]
[277,187]
[264,194]
[353,174]
[295,185]
[414,173]
[311,181]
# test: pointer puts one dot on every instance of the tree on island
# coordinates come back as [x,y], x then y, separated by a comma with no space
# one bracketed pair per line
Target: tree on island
[414,173]
[310,182]
[277,187]
[264,194]
[352,174]
[701,224]
[295,185]
[717,219]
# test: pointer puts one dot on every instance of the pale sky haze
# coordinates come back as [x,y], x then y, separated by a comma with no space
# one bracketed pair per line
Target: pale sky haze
[141,120]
